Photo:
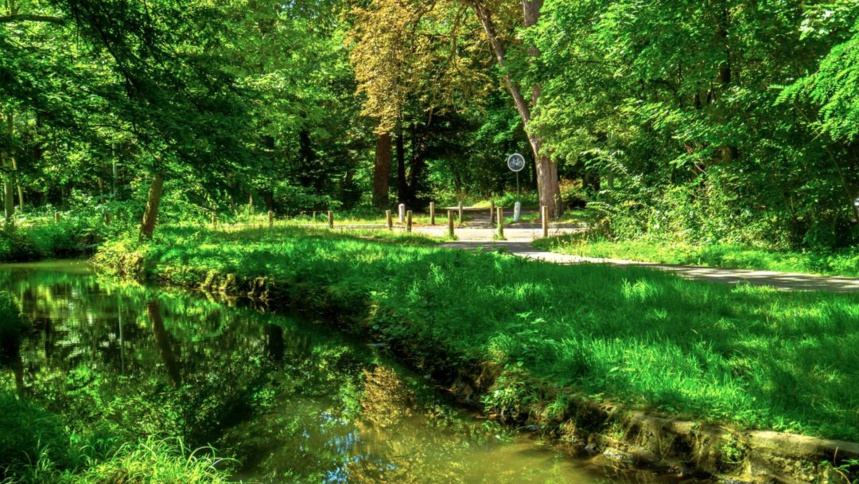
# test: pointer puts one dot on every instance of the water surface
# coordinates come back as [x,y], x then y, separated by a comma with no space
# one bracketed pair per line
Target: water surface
[292,401]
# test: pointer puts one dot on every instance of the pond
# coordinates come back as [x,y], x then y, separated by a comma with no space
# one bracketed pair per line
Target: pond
[291,401]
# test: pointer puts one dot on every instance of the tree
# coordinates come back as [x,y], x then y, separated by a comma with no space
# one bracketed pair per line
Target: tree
[547,170]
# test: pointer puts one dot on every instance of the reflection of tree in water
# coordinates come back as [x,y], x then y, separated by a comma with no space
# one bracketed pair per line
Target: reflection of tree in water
[142,362]
[292,401]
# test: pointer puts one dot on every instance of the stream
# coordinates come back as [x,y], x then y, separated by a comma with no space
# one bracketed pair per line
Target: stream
[291,401]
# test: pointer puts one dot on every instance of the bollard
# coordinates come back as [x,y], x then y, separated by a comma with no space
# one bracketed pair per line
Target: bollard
[401,213]
[517,211]
[409,221]
[450,223]
[432,213]
[330,219]
[491,211]
[460,213]
[270,219]
[544,216]
[389,220]
[56,217]
[500,223]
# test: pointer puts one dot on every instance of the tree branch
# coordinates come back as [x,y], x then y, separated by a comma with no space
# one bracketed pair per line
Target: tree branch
[26,17]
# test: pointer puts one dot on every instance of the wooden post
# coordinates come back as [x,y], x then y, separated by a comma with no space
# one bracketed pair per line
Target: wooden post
[389,219]
[500,223]
[432,213]
[450,223]
[270,219]
[544,217]
[330,219]
[107,218]
[409,221]
[313,217]
[57,217]
[460,213]
[491,211]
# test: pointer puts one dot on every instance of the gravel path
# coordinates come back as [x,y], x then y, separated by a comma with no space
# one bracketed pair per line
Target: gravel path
[519,243]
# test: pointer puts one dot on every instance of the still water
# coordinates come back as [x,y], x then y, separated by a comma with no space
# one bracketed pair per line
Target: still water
[290,401]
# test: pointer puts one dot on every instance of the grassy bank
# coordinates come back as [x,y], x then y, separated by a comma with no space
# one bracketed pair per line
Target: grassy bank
[745,355]
[70,237]
[843,263]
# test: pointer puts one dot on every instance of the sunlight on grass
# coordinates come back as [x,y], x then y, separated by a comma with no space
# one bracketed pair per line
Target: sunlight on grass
[748,355]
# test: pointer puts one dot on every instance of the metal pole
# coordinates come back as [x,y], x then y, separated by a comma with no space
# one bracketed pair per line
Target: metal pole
[518,196]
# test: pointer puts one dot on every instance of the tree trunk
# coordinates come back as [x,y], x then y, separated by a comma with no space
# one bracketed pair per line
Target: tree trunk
[382,170]
[147,228]
[18,183]
[402,187]
[548,184]
[8,180]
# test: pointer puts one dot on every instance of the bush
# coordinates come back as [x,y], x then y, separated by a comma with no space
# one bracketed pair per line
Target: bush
[573,195]
[28,433]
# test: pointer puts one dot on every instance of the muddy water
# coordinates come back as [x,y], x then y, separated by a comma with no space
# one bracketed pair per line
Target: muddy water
[290,401]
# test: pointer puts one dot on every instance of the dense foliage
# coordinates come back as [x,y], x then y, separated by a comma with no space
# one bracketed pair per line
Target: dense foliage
[727,121]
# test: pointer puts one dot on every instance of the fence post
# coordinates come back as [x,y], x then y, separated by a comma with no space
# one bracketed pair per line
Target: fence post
[500,223]
[409,221]
[432,213]
[270,219]
[389,220]
[330,219]
[544,217]
[460,213]
[450,223]
[56,217]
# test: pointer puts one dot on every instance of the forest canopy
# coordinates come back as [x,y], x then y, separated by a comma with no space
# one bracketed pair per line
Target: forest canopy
[724,120]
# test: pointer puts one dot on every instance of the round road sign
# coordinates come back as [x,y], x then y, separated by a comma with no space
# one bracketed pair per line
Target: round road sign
[516,162]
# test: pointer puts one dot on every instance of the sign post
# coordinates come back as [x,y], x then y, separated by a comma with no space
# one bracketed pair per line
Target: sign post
[516,163]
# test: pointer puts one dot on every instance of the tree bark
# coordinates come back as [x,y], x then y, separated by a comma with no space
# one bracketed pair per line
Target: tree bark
[150,214]
[548,184]
[382,170]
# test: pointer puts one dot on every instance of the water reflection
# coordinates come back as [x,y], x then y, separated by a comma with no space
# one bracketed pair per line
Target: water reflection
[291,401]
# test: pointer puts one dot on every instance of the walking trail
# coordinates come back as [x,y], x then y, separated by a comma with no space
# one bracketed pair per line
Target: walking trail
[479,235]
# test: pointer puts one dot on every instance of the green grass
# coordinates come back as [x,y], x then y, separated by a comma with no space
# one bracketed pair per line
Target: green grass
[844,263]
[751,356]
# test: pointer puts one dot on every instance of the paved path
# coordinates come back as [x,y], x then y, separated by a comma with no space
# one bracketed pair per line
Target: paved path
[519,243]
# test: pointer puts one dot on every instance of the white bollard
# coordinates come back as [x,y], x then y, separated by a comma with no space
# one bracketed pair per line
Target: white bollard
[517,211]
[401,214]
